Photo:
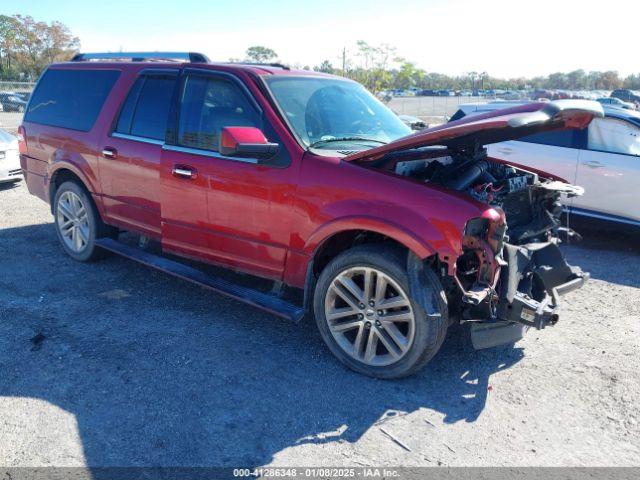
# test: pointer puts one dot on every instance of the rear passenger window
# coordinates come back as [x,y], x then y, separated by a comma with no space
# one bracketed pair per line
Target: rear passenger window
[556,138]
[209,104]
[614,136]
[70,98]
[146,109]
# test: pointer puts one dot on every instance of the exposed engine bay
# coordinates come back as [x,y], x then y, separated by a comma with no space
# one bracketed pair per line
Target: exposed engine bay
[531,204]
[511,272]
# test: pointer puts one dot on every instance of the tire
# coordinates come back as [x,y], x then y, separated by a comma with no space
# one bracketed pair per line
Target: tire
[72,200]
[420,337]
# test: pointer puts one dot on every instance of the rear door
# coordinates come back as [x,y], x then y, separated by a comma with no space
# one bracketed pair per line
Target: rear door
[131,151]
[230,211]
[609,170]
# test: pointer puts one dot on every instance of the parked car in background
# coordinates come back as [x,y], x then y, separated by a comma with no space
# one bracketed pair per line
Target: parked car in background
[12,103]
[604,158]
[308,180]
[616,102]
[478,108]
[412,122]
[626,95]
[10,170]
[24,96]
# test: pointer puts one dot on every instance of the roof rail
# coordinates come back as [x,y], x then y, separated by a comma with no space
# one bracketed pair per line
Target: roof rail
[259,64]
[192,57]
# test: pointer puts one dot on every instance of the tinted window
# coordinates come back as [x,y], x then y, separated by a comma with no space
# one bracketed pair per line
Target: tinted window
[556,138]
[207,105]
[146,109]
[70,98]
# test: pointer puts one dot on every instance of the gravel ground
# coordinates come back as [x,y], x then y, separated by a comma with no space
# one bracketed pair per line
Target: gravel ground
[114,364]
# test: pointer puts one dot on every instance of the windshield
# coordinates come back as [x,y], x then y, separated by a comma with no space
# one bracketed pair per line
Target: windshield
[328,113]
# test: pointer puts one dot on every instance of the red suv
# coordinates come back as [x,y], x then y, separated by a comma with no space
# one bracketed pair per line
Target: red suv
[308,180]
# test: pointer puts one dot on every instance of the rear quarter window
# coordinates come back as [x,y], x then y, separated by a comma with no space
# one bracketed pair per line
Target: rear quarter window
[70,98]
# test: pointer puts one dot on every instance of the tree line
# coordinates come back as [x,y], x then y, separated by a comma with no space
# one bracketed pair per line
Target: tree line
[27,46]
[379,68]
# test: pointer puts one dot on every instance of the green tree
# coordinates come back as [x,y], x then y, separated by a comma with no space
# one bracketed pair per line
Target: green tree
[632,82]
[260,54]
[28,46]
[325,67]
[408,75]
[577,80]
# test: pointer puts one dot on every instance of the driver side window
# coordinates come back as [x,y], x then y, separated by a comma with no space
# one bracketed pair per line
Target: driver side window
[614,136]
[207,105]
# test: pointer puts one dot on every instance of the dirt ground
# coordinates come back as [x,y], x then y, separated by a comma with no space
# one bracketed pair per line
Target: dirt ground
[114,364]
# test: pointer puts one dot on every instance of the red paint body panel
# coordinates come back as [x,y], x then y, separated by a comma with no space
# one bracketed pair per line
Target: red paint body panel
[257,218]
[232,213]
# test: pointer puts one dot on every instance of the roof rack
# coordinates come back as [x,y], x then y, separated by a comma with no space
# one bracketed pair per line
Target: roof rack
[192,57]
[259,64]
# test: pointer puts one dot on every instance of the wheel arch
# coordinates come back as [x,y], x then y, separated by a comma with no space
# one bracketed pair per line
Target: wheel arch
[65,173]
[341,235]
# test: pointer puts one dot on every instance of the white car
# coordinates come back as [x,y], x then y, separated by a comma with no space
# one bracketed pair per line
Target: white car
[10,170]
[616,102]
[603,158]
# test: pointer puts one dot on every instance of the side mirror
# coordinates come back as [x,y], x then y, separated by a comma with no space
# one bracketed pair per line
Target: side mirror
[246,142]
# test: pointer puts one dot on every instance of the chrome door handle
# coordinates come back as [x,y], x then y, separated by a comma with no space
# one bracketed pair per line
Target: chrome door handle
[183,171]
[505,150]
[109,152]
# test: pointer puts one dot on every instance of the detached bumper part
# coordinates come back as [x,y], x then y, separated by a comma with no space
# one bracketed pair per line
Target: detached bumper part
[492,334]
[531,283]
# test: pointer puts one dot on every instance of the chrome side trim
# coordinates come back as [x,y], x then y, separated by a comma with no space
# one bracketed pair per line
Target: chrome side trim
[135,138]
[207,153]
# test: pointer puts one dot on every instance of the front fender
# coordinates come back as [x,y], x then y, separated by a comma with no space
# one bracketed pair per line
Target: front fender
[409,225]
[369,223]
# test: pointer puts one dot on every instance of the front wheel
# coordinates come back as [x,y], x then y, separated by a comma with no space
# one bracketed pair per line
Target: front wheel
[368,317]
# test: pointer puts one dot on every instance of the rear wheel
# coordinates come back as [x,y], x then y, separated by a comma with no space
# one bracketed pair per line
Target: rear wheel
[78,223]
[368,317]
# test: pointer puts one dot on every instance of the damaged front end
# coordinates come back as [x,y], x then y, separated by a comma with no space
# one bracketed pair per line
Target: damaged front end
[511,272]
[509,285]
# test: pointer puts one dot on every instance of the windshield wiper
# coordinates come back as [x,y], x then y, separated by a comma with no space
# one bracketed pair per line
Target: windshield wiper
[346,139]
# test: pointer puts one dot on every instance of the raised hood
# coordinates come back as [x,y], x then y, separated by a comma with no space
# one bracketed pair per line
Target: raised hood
[492,127]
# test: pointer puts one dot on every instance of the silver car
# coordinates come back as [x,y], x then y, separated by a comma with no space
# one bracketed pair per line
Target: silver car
[10,170]
[604,159]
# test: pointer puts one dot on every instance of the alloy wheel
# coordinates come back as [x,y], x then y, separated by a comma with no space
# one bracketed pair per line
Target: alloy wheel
[73,221]
[370,316]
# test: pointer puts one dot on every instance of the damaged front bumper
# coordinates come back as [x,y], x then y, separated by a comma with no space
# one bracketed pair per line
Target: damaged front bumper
[532,281]
[526,294]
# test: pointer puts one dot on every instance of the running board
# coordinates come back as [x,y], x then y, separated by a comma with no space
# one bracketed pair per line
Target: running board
[247,295]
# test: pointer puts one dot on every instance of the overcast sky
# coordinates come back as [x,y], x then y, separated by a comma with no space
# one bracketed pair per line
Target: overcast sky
[504,38]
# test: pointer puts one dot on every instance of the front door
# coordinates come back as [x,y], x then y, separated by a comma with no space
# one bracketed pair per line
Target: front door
[130,163]
[234,212]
